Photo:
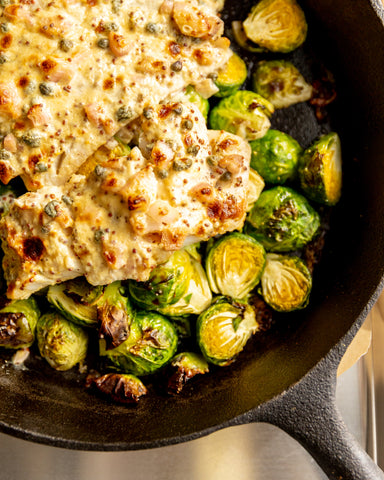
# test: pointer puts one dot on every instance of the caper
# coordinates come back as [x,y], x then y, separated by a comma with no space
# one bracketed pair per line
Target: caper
[4,27]
[212,160]
[178,109]
[51,208]
[4,3]
[46,89]
[65,45]
[152,28]
[103,43]
[41,167]
[3,58]
[213,76]
[45,228]
[100,171]
[177,66]
[187,124]
[181,164]
[5,155]
[226,176]
[148,113]
[99,234]
[193,150]
[116,5]
[110,27]
[124,113]
[67,200]
[32,139]
[161,173]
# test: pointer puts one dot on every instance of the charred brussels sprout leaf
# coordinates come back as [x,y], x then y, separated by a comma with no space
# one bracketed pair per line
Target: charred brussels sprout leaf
[231,77]
[244,113]
[191,95]
[224,329]
[18,323]
[151,344]
[234,265]
[76,300]
[185,366]
[277,25]
[62,343]
[166,285]
[275,157]
[115,315]
[286,283]
[255,187]
[281,83]
[320,170]
[282,220]
[120,387]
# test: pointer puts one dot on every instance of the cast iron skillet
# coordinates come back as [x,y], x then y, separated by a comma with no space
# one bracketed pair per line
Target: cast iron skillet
[287,378]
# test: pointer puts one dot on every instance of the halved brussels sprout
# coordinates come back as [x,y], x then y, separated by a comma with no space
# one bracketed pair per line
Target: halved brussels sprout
[231,77]
[7,197]
[234,265]
[122,149]
[18,323]
[185,366]
[280,82]
[282,220]
[276,157]
[244,113]
[286,283]
[167,283]
[223,330]
[114,315]
[320,170]
[151,344]
[241,38]
[62,343]
[255,187]
[196,298]
[76,300]
[277,25]
[191,95]
[120,387]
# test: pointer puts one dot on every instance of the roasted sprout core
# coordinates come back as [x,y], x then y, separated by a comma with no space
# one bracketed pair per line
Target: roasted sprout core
[276,157]
[224,329]
[234,265]
[282,220]
[286,282]
[320,170]
[280,82]
[244,113]
[277,25]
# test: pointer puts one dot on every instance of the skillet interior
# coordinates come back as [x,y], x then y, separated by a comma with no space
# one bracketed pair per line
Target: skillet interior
[40,404]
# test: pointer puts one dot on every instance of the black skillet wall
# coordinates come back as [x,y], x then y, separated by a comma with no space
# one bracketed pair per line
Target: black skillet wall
[46,406]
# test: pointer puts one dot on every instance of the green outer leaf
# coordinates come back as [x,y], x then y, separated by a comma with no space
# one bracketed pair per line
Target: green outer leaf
[276,157]
[320,170]
[234,265]
[62,343]
[26,325]
[282,220]
[151,344]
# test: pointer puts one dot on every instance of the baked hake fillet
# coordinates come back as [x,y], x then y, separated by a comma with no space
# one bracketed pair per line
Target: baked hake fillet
[73,72]
[181,184]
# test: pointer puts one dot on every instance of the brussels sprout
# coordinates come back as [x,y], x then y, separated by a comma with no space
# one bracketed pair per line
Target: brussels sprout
[255,187]
[18,323]
[282,220]
[167,283]
[122,149]
[277,25]
[120,387]
[231,77]
[114,315]
[320,170]
[191,95]
[76,300]
[182,324]
[280,82]
[234,265]
[275,157]
[197,296]
[62,343]
[223,330]
[243,113]
[151,344]
[7,197]
[286,282]
[185,366]
[194,251]
[241,38]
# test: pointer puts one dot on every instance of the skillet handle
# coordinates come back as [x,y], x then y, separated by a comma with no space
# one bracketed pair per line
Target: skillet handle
[308,413]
